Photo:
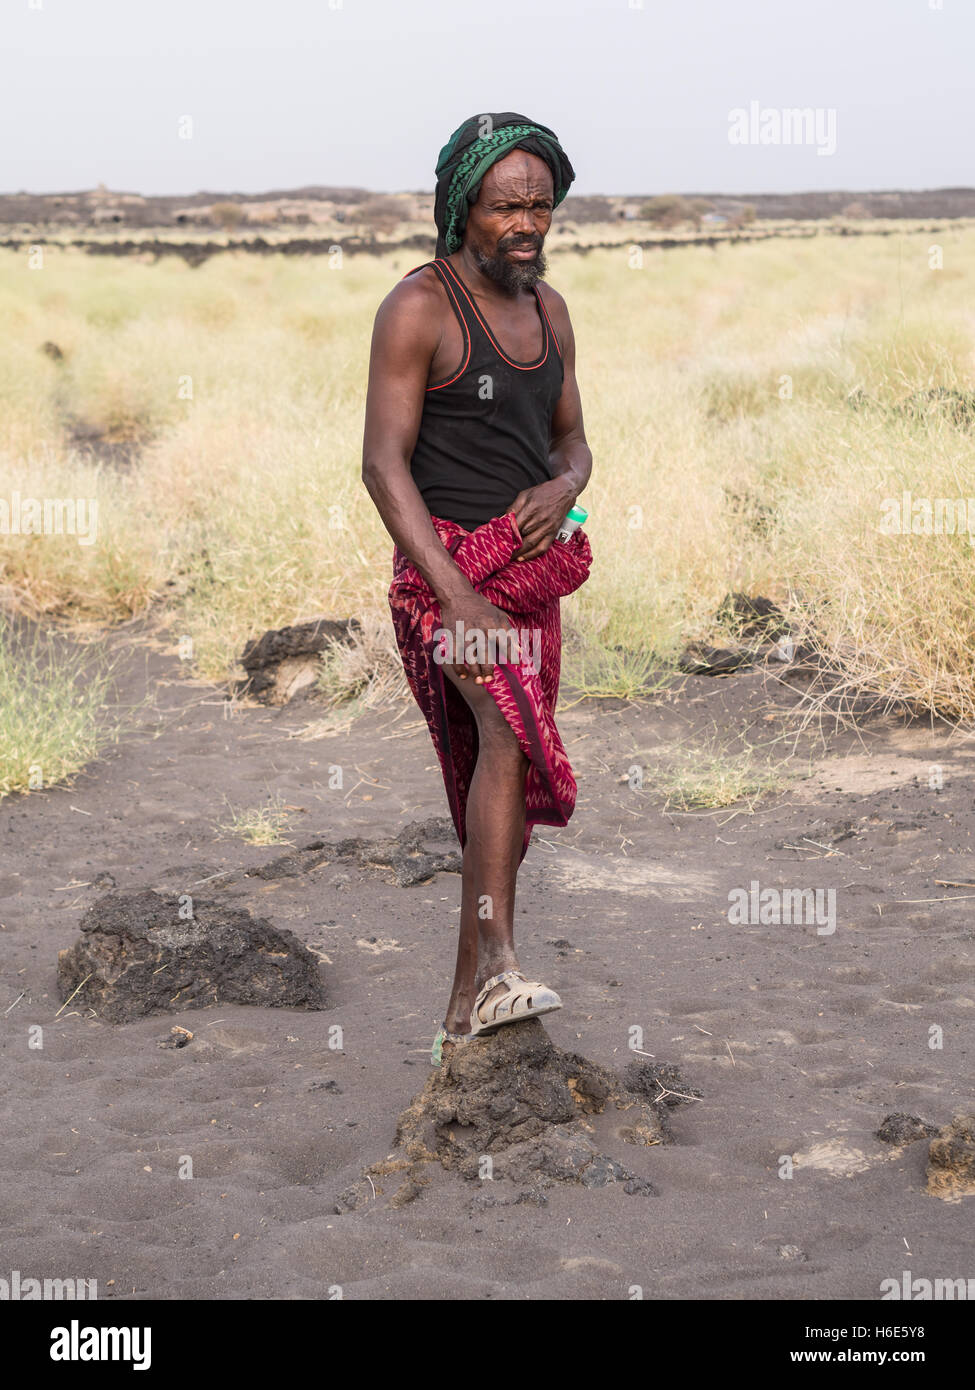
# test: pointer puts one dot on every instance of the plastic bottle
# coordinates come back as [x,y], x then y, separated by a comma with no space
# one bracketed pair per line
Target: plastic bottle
[575,518]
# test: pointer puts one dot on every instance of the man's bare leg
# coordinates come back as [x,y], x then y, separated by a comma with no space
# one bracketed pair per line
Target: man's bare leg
[495,834]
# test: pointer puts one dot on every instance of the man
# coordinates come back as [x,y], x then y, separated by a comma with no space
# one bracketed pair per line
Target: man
[474,452]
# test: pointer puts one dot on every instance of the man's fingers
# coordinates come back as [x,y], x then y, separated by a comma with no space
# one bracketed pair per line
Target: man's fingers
[475,659]
[477,671]
[522,500]
[481,670]
[531,536]
[527,523]
[537,548]
[530,526]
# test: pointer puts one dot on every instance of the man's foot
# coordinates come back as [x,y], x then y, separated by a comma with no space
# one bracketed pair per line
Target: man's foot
[458,1016]
[509,998]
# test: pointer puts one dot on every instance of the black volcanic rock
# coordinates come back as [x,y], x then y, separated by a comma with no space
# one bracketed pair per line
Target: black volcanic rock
[514,1108]
[137,955]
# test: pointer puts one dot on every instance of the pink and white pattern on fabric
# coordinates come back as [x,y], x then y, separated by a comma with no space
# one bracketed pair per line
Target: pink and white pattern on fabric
[528,592]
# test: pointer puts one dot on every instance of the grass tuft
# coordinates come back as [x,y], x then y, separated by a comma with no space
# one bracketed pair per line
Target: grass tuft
[710,777]
[259,825]
[54,715]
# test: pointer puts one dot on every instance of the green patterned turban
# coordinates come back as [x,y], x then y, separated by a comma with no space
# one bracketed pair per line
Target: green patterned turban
[468,155]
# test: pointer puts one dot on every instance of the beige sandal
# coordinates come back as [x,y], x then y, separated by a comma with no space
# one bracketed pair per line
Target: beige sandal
[524,999]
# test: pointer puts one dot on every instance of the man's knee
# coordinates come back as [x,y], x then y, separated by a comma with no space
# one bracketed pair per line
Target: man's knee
[496,733]
[498,744]
[493,730]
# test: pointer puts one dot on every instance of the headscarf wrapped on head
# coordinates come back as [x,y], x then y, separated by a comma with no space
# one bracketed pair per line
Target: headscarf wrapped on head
[469,154]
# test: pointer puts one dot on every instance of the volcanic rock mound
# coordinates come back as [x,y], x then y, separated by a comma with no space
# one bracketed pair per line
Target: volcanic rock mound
[139,954]
[513,1106]
[901,1129]
[420,850]
[951,1160]
[287,660]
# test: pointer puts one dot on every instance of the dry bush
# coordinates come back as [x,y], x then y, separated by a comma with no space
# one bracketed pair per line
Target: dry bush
[227,215]
[382,214]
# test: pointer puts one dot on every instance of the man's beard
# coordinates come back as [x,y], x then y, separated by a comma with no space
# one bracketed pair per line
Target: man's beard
[511,276]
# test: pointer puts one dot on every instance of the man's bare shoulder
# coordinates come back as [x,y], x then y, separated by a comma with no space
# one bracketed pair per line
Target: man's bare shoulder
[417,296]
[409,321]
[557,309]
[552,298]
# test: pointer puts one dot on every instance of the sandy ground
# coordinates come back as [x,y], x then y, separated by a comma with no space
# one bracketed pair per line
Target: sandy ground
[801,1042]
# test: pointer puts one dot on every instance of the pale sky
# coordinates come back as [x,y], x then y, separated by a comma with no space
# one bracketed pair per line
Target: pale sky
[284,93]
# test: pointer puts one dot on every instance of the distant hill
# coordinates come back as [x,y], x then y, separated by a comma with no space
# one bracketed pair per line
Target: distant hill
[934,202]
[320,203]
[103,205]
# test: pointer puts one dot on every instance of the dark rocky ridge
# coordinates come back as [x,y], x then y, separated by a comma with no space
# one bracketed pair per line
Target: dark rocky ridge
[121,208]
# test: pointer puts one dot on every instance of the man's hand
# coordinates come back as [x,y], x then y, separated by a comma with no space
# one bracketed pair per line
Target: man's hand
[476,616]
[539,512]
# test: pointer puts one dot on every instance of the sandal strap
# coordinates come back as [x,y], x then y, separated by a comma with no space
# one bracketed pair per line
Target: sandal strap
[496,980]
[519,993]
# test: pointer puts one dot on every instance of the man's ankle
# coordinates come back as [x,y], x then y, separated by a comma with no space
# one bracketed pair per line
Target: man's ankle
[493,968]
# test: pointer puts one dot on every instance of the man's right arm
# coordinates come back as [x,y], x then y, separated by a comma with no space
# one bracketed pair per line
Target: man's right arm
[405,338]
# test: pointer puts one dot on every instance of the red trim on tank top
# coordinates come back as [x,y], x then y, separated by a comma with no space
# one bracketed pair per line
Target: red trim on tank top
[555,336]
[467,337]
[519,366]
[467,356]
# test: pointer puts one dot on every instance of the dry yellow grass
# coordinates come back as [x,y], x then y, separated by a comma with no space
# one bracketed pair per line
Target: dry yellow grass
[749,408]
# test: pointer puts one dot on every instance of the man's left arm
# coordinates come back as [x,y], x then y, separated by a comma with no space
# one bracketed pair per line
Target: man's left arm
[540,511]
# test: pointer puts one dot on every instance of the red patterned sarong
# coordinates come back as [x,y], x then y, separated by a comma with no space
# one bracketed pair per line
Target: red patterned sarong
[528,592]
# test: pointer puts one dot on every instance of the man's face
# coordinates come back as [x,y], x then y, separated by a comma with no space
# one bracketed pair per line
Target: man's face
[507,226]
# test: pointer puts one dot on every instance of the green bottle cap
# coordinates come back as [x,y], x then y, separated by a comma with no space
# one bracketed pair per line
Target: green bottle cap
[577,514]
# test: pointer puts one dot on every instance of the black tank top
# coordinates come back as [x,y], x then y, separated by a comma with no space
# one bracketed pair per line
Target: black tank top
[486,428]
